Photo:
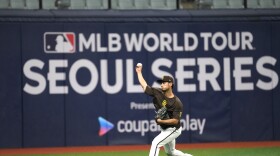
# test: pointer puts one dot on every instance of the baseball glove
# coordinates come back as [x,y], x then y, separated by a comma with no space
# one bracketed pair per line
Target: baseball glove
[162,113]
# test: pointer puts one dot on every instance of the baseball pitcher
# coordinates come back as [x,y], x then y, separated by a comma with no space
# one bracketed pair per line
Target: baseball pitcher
[169,109]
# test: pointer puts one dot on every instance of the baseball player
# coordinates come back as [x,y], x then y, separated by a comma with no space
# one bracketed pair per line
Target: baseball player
[170,125]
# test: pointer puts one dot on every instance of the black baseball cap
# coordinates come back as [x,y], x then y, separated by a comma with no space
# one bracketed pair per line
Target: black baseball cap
[166,79]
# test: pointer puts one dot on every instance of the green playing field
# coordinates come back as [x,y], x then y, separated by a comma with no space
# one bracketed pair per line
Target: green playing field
[264,151]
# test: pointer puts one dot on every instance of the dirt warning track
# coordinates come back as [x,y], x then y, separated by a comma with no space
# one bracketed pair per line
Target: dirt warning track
[89,149]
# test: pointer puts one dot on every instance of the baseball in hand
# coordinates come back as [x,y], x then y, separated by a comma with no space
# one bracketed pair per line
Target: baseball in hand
[139,65]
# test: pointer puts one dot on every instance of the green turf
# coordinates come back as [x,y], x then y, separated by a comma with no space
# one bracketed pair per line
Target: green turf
[270,151]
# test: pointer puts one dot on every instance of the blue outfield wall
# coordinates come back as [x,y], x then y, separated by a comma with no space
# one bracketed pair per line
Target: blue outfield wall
[58,77]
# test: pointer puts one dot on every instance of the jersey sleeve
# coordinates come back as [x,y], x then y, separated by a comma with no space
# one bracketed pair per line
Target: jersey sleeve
[177,113]
[149,91]
[152,91]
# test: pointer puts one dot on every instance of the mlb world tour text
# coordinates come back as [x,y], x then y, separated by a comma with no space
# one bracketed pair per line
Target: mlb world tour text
[232,70]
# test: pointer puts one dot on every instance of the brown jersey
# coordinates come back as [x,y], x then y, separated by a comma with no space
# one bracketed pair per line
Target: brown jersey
[174,105]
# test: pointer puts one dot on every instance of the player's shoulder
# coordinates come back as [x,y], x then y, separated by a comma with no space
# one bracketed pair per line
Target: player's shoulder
[157,90]
[178,100]
[153,91]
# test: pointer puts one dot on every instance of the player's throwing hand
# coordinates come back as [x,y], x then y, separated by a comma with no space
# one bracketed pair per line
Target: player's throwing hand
[139,67]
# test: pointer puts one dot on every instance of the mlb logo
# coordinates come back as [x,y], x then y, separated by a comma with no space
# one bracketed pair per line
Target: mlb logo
[59,42]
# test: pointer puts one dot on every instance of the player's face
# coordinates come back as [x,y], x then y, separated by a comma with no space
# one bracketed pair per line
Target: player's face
[165,86]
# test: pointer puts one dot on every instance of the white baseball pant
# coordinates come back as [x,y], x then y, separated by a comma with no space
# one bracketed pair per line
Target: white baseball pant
[167,139]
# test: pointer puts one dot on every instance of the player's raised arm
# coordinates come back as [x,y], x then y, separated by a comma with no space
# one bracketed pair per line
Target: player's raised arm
[141,79]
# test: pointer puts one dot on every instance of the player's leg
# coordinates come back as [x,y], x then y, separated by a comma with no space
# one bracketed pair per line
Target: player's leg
[169,147]
[171,150]
[174,152]
[163,138]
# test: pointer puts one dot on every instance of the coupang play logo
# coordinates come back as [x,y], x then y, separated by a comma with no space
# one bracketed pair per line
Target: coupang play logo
[105,126]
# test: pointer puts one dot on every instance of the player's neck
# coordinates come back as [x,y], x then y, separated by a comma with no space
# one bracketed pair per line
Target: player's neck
[169,94]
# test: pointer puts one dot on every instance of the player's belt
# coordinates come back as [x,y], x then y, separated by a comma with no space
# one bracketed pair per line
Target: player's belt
[165,127]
